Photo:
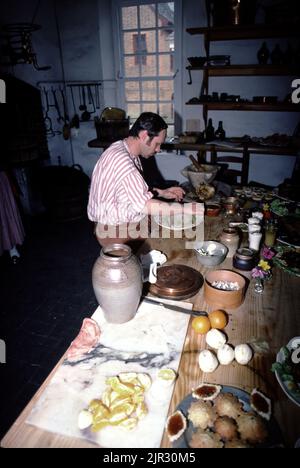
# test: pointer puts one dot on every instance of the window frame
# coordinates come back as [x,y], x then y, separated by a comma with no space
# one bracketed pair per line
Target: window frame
[177,59]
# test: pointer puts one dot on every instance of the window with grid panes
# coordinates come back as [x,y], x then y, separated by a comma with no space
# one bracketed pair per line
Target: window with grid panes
[147,46]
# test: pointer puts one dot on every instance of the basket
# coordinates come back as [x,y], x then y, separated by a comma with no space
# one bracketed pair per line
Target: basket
[111,130]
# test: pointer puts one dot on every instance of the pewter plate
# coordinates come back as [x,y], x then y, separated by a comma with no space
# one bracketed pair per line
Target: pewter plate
[274,438]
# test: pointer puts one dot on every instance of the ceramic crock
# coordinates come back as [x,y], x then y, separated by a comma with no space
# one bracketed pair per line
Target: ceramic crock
[244,259]
[117,282]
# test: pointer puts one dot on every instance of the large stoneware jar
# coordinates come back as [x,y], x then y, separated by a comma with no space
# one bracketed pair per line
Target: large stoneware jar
[117,282]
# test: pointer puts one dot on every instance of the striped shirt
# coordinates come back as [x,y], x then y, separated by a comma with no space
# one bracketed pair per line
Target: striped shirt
[118,191]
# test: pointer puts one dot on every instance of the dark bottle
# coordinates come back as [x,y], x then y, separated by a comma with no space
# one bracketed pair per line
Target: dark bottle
[297,56]
[263,54]
[277,55]
[288,55]
[210,131]
[220,132]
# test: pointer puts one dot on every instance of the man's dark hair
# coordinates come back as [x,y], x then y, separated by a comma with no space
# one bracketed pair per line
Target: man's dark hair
[149,121]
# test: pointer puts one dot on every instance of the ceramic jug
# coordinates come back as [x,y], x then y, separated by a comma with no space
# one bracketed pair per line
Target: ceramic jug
[117,282]
[230,238]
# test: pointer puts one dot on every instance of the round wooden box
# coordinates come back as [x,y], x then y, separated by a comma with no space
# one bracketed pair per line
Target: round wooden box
[219,297]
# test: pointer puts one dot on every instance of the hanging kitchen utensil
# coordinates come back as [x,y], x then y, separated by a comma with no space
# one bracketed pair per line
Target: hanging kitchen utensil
[66,126]
[89,94]
[97,96]
[82,105]
[91,100]
[47,120]
[17,47]
[66,117]
[85,116]
[56,105]
[75,121]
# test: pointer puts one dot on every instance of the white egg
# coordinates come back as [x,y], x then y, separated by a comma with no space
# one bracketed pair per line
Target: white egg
[243,354]
[208,361]
[226,355]
[215,339]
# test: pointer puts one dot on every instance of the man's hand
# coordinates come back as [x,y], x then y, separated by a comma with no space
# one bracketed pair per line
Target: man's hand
[172,193]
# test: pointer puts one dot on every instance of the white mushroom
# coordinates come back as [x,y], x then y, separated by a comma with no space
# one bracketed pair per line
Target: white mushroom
[226,355]
[243,354]
[208,361]
[215,339]
[211,249]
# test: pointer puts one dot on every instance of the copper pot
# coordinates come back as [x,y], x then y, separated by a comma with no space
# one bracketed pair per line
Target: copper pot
[231,205]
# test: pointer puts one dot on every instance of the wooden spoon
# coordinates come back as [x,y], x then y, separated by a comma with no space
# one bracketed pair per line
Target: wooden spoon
[196,164]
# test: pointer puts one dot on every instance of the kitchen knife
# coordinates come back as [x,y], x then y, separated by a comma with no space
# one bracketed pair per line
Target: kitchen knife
[195,313]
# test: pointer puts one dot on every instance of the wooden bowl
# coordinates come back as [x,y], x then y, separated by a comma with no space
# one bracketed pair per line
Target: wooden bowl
[220,298]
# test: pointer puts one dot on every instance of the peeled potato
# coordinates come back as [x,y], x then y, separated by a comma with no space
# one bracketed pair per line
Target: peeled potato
[85,419]
[129,423]
[128,377]
[122,403]
[141,410]
[145,381]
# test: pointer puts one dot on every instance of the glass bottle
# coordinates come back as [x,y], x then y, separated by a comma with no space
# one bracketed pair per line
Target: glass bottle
[263,54]
[270,234]
[258,286]
[288,55]
[277,56]
[210,131]
[220,132]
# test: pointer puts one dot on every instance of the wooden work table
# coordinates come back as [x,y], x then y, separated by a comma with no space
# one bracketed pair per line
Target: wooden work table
[272,317]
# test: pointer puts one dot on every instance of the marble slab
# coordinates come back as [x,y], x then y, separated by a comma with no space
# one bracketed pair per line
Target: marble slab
[152,340]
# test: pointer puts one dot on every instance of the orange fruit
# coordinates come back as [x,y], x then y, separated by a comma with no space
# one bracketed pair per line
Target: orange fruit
[201,324]
[218,319]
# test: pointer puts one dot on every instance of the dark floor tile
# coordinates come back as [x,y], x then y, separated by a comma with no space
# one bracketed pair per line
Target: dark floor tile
[43,302]
[38,327]
[17,403]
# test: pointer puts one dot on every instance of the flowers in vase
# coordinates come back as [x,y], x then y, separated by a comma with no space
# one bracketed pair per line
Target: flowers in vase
[267,253]
[263,269]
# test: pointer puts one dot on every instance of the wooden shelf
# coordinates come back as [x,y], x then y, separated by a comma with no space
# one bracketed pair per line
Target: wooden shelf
[248,70]
[248,106]
[227,33]
[276,150]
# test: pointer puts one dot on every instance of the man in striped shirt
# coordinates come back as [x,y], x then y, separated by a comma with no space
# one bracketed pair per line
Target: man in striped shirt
[119,196]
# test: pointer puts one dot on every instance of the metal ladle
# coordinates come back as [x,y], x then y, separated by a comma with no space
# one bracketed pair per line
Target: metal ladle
[85,116]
